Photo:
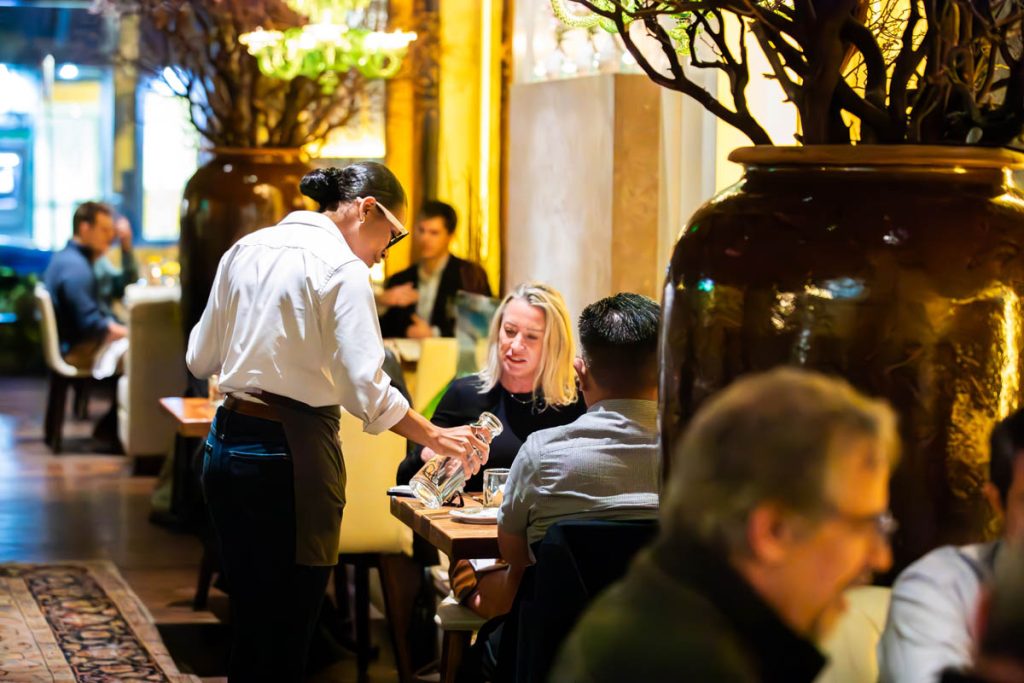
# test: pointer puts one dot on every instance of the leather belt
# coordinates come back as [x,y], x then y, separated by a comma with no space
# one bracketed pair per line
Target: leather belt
[252,409]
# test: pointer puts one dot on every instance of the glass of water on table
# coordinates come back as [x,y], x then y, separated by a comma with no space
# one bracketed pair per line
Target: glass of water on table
[494,486]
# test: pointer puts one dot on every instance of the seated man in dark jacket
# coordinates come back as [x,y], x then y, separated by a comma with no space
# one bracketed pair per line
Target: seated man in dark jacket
[420,300]
[82,323]
[776,504]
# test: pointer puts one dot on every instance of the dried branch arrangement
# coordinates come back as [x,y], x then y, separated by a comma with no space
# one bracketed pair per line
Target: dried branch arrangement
[871,71]
[193,46]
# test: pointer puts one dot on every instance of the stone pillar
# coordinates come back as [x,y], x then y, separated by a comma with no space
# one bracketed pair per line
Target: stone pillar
[473,55]
[411,115]
[127,173]
[583,187]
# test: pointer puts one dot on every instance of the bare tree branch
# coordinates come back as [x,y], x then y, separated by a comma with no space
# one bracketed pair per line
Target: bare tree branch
[231,103]
[742,120]
[925,71]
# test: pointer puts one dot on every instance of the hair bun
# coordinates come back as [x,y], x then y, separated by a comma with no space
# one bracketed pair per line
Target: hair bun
[321,185]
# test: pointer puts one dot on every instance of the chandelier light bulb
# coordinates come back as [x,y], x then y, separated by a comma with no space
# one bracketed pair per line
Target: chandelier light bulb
[331,44]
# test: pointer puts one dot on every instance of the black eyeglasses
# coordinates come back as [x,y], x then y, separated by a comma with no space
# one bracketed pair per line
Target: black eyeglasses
[883,523]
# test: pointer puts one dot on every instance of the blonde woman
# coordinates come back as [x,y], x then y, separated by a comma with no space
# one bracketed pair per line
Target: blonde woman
[528,381]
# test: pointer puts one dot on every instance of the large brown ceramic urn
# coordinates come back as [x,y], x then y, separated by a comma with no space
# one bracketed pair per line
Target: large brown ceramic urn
[236,192]
[899,268]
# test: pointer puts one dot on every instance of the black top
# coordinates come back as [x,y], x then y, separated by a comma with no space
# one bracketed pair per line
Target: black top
[519,415]
[72,285]
[458,274]
[958,676]
[682,613]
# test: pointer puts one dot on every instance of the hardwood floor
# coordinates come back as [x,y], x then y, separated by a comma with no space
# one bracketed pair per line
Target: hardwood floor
[84,505]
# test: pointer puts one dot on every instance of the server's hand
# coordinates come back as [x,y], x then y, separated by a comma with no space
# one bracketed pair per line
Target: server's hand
[459,442]
[462,443]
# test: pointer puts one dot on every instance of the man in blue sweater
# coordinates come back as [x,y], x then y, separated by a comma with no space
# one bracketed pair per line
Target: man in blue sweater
[83,326]
[81,323]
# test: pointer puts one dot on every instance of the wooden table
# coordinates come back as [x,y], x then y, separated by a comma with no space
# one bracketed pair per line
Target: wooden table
[457,540]
[192,416]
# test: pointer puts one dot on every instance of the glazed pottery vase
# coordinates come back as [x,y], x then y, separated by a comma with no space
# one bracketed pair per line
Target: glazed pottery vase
[236,192]
[899,268]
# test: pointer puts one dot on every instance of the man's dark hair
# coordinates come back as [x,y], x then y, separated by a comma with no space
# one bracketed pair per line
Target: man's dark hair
[1005,445]
[87,212]
[435,209]
[619,339]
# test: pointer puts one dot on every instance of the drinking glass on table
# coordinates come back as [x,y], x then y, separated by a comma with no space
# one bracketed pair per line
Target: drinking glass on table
[442,477]
[214,394]
[494,486]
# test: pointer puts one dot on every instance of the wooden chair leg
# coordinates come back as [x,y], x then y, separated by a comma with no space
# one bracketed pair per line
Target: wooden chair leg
[56,406]
[453,648]
[81,401]
[400,578]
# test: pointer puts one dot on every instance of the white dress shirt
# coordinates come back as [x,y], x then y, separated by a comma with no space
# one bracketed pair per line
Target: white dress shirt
[291,312]
[932,614]
[427,287]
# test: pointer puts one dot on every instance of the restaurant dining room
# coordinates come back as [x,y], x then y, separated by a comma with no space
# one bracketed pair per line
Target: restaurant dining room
[511,341]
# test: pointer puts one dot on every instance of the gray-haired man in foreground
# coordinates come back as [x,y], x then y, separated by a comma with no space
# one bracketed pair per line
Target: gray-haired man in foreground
[777,503]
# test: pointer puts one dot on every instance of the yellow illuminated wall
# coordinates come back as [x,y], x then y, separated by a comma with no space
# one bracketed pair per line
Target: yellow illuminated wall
[469,144]
[401,139]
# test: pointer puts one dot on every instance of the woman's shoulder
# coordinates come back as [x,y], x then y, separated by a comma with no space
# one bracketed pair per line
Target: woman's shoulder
[467,383]
[467,390]
[470,384]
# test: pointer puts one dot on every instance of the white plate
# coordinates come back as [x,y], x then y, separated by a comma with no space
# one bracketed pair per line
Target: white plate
[402,491]
[476,515]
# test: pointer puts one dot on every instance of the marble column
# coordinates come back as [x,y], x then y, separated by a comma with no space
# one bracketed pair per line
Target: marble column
[583,187]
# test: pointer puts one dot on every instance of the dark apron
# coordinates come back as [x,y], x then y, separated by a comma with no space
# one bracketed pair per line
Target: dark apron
[318,475]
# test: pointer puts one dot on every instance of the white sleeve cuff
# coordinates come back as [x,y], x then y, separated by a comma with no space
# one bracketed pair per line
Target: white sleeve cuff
[390,416]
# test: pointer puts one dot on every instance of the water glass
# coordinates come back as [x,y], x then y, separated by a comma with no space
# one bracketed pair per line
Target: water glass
[494,486]
[214,394]
[442,477]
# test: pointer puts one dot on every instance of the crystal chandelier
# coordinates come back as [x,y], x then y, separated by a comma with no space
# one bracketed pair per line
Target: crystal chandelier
[333,42]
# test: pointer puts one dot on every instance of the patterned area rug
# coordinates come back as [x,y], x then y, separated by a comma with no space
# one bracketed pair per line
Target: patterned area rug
[77,622]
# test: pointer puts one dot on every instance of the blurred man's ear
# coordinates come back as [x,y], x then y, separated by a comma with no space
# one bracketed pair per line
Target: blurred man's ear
[769,533]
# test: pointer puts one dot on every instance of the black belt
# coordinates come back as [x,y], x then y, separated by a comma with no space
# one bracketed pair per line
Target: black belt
[252,409]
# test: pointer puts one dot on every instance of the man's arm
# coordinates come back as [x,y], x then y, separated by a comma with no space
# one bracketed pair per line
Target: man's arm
[396,303]
[129,267]
[475,279]
[77,294]
[496,590]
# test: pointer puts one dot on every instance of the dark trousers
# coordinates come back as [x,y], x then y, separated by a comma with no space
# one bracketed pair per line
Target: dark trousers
[247,481]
